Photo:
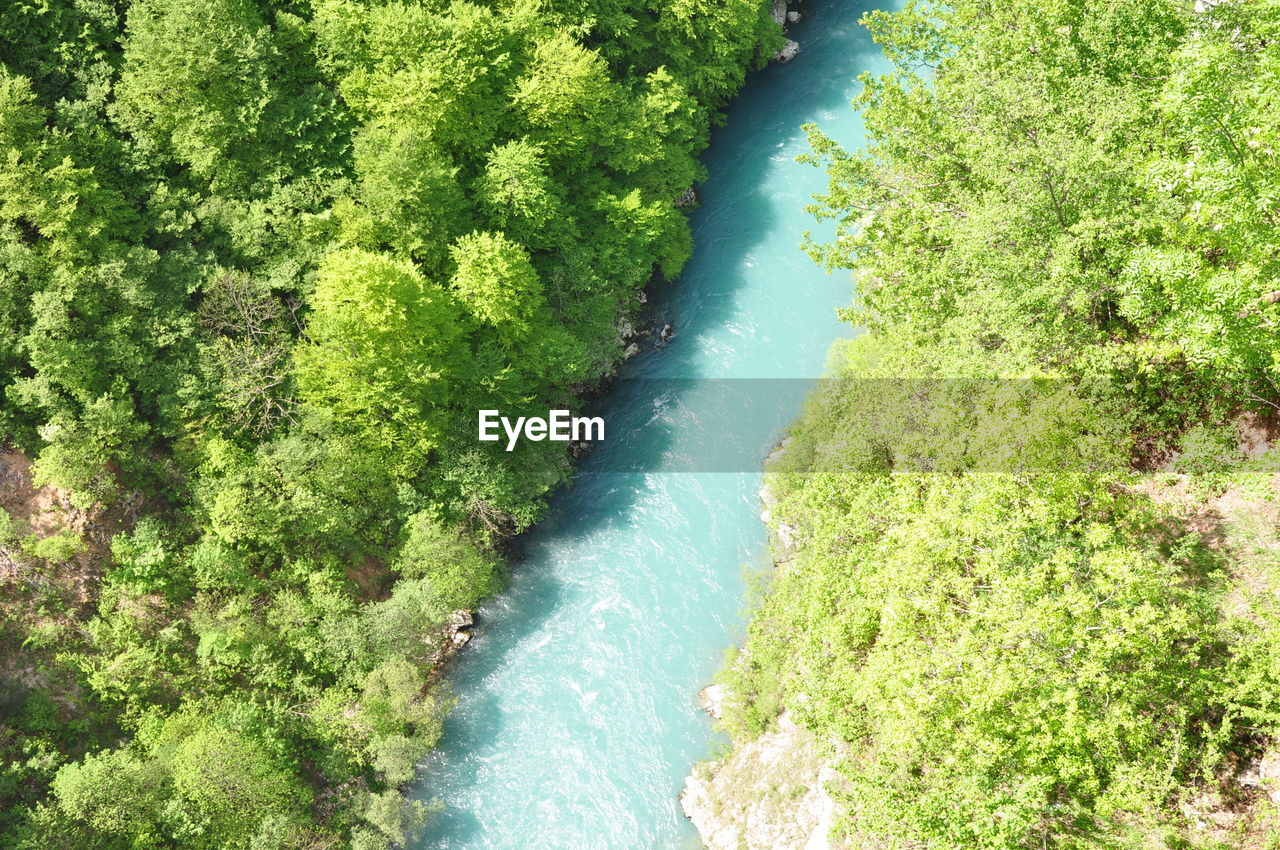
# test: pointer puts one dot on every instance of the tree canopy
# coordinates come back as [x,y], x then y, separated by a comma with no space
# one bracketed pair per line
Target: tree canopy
[260,262]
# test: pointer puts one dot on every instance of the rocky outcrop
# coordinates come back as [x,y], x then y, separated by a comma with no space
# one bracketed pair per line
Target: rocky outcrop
[778,451]
[629,337]
[790,49]
[456,634]
[1263,774]
[688,199]
[771,794]
[784,534]
[779,12]
[711,700]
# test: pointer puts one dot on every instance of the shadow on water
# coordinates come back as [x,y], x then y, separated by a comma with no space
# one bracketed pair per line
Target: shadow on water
[738,215]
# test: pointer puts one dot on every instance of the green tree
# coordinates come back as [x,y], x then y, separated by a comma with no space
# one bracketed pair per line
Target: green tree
[115,793]
[383,349]
[228,786]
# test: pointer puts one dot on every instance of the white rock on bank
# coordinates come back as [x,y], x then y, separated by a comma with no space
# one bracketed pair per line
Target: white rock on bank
[787,536]
[711,700]
[789,51]
[779,451]
[779,12]
[1263,774]
[770,794]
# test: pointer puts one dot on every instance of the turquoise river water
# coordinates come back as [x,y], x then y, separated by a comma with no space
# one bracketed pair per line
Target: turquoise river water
[577,718]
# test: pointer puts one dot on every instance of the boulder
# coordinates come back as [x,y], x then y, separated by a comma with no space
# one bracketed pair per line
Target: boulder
[779,12]
[711,700]
[1263,774]
[667,332]
[456,634]
[794,17]
[631,351]
[688,199]
[789,51]
[778,451]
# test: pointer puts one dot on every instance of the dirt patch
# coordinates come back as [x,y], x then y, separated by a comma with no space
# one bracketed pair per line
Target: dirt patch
[1258,432]
[42,512]
[372,579]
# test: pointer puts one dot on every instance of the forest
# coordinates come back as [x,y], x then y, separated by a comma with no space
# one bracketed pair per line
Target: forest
[260,263]
[1027,595]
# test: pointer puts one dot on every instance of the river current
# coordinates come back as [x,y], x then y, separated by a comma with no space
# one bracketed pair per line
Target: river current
[577,717]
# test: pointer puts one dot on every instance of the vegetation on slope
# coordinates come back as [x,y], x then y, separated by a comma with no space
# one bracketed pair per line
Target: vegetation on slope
[1012,604]
[260,262]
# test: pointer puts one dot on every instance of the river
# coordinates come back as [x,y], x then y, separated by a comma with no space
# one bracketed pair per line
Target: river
[577,718]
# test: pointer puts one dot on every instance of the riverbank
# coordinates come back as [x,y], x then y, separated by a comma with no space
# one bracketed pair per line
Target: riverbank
[1029,596]
[775,791]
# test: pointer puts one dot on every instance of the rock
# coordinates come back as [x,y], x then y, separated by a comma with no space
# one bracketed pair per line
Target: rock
[826,810]
[779,12]
[1263,774]
[778,452]
[789,51]
[711,700]
[688,199]
[642,297]
[457,632]
[626,330]
[631,351]
[794,17]
[666,333]
[787,536]
[770,794]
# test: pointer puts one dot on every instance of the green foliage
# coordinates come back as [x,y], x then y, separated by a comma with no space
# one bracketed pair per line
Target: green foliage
[228,784]
[459,574]
[410,190]
[113,792]
[56,548]
[1062,233]
[206,82]
[382,338]
[260,263]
